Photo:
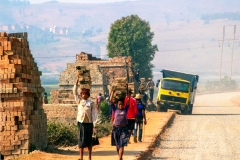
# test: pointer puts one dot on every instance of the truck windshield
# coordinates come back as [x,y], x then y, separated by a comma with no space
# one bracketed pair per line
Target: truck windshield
[175,85]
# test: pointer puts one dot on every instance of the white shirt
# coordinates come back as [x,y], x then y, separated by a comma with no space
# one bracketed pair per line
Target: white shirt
[85,108]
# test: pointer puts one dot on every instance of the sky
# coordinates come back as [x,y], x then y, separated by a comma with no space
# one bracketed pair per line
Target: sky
[79,1]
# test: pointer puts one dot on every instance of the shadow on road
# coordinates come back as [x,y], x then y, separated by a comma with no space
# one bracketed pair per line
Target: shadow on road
[94,153]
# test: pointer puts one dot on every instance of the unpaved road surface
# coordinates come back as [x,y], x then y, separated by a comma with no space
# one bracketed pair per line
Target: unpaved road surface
[157,121]
[211,133]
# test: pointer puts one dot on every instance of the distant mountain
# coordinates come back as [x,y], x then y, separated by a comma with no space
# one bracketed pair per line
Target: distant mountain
[187,32]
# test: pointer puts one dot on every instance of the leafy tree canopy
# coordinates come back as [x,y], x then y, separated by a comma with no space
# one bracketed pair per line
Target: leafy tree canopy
[131,36]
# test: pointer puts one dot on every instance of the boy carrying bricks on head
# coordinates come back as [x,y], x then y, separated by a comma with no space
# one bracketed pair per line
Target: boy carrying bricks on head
[87,118]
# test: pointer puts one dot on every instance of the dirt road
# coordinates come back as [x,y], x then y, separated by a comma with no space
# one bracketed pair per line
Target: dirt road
[156,123]
[212,132]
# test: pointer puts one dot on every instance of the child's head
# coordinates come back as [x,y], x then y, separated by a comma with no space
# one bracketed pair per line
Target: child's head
[120,104]
[85,93]
[114,100]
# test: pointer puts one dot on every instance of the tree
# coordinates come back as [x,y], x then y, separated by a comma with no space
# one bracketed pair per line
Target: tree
[131,36]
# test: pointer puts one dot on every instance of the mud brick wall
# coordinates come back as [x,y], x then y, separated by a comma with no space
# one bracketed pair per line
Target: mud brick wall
[23,122]
[62,113]
[102,73]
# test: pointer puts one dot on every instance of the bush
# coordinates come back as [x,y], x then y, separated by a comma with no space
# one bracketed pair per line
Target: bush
[104,129]
[104,112]
[64,135]
[61,135]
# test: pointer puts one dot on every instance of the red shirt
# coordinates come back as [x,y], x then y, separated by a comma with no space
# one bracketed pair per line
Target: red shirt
[132,111]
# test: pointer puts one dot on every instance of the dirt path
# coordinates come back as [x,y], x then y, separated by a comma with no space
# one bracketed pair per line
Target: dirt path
[156,123]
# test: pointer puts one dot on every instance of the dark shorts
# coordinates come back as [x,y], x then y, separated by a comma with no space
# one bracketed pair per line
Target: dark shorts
[85,131]
[131,123]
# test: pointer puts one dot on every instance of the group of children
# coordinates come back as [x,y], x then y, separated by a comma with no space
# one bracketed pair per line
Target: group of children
[127,115]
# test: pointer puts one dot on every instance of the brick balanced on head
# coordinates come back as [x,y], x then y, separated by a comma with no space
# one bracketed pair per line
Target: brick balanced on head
[120,86]
[84,78]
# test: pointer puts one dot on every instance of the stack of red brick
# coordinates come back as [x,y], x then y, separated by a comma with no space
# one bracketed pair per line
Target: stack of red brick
[84,77]
[120,86]
[23,122]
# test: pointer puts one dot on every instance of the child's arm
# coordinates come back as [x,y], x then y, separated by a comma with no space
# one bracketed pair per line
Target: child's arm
[113,116]
[94,114]
[75,88]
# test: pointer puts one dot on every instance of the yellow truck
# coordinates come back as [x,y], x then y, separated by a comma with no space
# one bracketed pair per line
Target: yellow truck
[176,91]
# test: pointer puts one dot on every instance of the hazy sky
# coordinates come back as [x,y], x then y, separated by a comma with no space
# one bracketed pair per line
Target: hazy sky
[79,1]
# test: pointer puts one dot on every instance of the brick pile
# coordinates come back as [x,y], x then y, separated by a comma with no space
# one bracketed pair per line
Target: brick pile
[23,122]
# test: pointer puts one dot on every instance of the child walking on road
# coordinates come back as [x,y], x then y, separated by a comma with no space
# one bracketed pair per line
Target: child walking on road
[141,118]
[132,112]
[87,119]
[120,134]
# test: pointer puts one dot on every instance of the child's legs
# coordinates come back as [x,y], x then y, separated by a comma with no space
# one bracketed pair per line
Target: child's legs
[135,129]
[140,131]
[81,153]
[117,149]
[120,153]
[90,152]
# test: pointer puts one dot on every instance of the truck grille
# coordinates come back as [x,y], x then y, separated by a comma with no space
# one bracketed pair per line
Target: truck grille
[173,98]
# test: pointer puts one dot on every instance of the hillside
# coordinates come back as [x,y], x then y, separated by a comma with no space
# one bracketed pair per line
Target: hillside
[185,40]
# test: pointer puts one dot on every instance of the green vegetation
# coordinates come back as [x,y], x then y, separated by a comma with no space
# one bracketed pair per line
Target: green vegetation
[32,147]
[61,135]
[105,126]
[131,36]
[104,115]
[225,84]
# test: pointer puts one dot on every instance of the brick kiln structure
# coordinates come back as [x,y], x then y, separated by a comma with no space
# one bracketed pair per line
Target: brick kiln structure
[102,73]
[23,122]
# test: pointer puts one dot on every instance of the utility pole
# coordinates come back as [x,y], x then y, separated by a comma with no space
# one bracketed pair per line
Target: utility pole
[220,69]
[232,50]
[223,39]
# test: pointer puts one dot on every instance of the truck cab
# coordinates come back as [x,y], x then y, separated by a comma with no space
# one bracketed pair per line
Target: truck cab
[176,92]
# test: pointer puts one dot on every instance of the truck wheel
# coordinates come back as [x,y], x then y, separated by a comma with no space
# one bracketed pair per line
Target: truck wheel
[191,107]
[161,108]
[185,111]
[158,108]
